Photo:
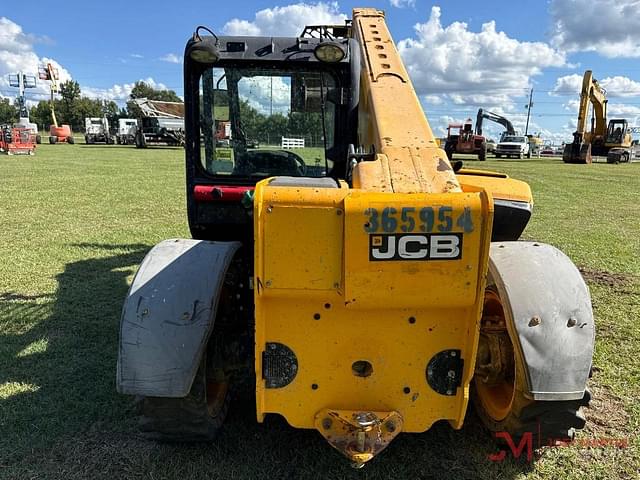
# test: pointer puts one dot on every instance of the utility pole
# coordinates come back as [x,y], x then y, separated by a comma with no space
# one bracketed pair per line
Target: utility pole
[271,98]
[528,107]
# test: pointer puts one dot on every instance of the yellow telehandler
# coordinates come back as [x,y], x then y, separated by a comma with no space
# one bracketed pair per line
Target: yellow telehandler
[366,284]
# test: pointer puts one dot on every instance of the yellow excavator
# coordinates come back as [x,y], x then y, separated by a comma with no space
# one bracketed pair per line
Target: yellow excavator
[366,285]
[612,141]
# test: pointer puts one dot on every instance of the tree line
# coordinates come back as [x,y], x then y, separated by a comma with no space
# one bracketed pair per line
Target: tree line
[268,129]
[72,107]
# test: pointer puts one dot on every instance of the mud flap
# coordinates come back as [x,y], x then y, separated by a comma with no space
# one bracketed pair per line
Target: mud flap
[552,328]
[168,316]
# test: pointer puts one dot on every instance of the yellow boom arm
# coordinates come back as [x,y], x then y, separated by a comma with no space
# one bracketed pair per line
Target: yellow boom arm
[592,93]
[392,120]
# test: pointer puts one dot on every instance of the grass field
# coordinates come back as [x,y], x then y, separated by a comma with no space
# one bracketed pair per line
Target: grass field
[76,221]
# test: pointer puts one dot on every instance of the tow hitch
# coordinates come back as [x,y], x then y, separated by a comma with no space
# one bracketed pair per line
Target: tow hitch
[359,435]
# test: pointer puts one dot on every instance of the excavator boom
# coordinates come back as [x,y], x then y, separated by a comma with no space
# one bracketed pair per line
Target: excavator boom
[494,117]
[612,140]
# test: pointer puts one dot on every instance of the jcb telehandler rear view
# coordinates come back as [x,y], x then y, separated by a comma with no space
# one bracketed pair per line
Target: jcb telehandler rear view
[369,287]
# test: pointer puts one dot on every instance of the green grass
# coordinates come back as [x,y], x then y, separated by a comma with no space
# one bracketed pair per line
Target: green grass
[77,220]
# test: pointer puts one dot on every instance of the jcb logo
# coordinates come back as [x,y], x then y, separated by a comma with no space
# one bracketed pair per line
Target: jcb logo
[425,246]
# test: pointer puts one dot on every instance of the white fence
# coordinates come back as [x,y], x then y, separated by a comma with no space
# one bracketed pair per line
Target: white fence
[292,142]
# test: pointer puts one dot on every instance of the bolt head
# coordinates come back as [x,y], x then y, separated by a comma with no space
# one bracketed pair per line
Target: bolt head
[390,426]
[535,321]
[572,322]
[326,423]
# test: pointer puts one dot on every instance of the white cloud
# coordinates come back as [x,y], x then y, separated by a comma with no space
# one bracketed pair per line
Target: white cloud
[286,21]
[622,110]
[136,55]
[608,27]
[473,67]
[432,99]
[172,58]
[17,54]
[616,86]
[403,3]
[620,86]
[567,85]
[118,93]
[266,93]
[571,105]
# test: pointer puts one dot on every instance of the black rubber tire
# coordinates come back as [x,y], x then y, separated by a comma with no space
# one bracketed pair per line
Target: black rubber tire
[547,421]
[38,139]
[53,139]
[141,142]
[449,153]
[183,419]
[71,140]
[482,155]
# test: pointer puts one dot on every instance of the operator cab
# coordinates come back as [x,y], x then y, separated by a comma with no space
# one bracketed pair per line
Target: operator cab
[260,107]
[616,131]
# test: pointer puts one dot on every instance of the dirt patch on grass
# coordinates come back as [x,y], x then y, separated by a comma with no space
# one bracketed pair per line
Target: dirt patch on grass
[7,297]
[606,416]
[602,277]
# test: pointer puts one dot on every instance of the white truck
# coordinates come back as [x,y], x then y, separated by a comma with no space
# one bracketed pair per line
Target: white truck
[96,130]
[516,146]
[127,128]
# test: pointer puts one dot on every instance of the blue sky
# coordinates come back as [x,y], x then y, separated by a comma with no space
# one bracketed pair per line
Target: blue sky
[458,59]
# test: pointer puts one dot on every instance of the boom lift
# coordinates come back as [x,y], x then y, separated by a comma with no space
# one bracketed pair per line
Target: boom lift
[62,133]
[371,293]
[612,140]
